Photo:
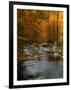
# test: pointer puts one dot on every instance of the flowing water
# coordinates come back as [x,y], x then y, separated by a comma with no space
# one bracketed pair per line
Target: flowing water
[40,69]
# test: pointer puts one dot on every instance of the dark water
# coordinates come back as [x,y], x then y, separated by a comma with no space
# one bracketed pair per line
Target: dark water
[40,69]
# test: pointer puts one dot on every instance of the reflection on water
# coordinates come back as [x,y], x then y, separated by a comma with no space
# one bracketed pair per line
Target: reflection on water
[40,69]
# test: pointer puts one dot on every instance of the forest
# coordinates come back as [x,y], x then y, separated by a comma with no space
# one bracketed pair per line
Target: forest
[39,28]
